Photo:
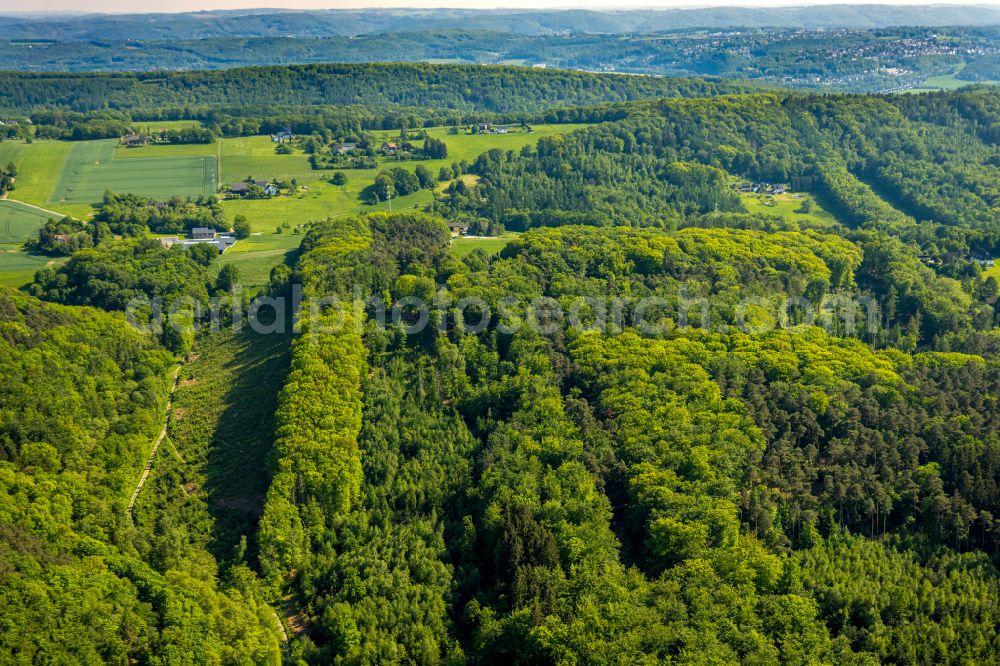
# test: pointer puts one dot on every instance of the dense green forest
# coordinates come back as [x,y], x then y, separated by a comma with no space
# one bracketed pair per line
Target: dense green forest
[81,399]
[556,494]
[441,87]
[724,390]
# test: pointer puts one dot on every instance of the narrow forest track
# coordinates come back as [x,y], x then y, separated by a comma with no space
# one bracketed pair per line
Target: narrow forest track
[156,444]
[284,634]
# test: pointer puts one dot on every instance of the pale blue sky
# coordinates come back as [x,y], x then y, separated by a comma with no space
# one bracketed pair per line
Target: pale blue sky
[131,6]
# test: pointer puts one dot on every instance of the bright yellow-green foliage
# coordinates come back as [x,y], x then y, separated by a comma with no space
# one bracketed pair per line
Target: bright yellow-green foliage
[82,397]
[318,472]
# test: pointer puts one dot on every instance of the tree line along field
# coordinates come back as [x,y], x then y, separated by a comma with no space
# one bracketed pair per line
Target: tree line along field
[68,178]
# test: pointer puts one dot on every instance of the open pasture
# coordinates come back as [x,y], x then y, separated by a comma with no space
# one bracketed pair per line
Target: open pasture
[38,167]
[246,156]
[91,169]
[18,268]
[20,222]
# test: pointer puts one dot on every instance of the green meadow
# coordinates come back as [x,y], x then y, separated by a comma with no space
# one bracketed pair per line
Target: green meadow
[20,222]
[91,168]
[257,255]
[18,268]
[788,206]
[462,247]
[38,166]
[68,178]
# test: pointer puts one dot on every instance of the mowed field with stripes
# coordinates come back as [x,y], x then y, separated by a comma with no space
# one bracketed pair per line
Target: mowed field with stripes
[91,168]
[57,178]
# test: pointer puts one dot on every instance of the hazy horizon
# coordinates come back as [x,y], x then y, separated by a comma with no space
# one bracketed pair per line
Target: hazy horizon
[69,7]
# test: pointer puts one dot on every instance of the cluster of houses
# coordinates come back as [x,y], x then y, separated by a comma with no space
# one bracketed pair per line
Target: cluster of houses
[934,261]
[242,188]
[201,236]
[132,139]
[984,262]
[344,148]
[762,188]
[486,128]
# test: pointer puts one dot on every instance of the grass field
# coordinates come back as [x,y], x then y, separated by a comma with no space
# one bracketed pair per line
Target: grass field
[946,82]
[38,166]
[462,247]
[255,156]
[257,255]
[168,150]
[787,206]
[18,268]
[20,222]
[91,168]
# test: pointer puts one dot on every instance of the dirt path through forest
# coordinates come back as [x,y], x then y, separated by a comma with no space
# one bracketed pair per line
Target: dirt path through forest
[156,445]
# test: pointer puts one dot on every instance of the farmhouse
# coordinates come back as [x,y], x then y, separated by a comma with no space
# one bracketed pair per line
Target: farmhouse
[457,228]
[243,188]
[389,147]
[282,136]
[221,242]
[202,233]
[345,148]
[134,141]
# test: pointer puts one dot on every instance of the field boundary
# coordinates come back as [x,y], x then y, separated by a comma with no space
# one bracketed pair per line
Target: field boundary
[56,214]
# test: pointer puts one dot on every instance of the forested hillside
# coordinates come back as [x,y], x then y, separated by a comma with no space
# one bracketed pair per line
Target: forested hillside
[604,495]
[376,86]
[350,22]
[711,376]
[81,399]
[846,60]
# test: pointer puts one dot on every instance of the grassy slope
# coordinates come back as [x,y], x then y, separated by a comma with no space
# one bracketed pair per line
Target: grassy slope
[214,469]
[20,222]
[38,167]
[786,206]
[49,169]
[18,268]
[461,247]
[257,255]
[254,156]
